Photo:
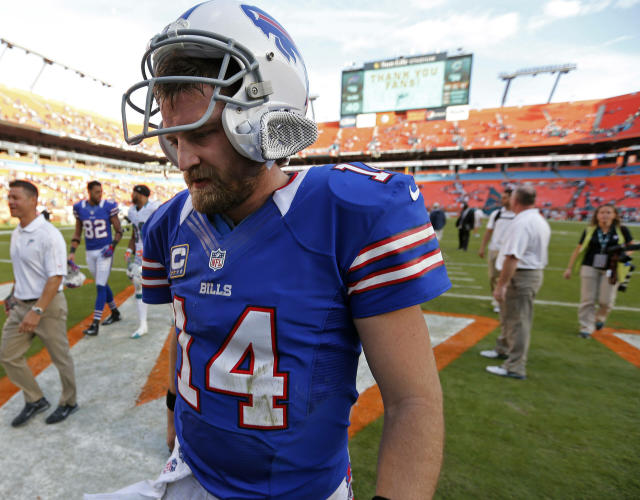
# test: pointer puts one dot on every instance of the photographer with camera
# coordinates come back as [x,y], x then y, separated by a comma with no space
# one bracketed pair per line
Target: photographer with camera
[600,271]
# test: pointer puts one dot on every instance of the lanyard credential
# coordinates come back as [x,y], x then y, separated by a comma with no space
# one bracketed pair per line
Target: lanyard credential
[603,239]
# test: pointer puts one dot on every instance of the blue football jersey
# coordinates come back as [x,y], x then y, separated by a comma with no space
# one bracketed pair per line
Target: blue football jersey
[268,351]
[96,222]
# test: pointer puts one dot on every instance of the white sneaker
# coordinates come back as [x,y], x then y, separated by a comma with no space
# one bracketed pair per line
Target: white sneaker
[496,309]
[497,370]
[503,372]
[142,330]
[492,354]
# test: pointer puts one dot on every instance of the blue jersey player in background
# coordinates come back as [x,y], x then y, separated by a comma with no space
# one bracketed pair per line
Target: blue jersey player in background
[94,218]
[278,281]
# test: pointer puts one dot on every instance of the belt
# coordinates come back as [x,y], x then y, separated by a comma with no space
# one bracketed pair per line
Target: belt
[527,270]
[27,301]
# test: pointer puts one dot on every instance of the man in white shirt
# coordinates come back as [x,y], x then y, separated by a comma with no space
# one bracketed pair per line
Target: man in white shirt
[499,221]
[36,306]
[521,261]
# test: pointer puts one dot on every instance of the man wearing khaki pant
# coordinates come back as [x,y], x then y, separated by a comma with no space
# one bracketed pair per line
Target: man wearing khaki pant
[36,306]
[522,258]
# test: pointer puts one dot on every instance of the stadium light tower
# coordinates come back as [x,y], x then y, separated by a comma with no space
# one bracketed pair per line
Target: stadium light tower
[312,98]
[46,61]
[560,69]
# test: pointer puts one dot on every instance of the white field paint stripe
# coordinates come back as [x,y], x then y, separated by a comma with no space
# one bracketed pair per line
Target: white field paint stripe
[471,264]
[465,279]
[475,287]
[541,302]
[393,246]
[632,339]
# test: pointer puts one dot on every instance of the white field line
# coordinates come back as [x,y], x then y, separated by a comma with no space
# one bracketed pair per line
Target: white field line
[471,264]
[541,302]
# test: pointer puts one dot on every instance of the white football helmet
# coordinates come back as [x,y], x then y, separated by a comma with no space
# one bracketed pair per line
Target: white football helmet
[134,271]
[74,278]
[265,119]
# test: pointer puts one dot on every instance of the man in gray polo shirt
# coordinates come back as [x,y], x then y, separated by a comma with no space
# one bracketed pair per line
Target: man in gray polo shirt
[522,258]
[36,306]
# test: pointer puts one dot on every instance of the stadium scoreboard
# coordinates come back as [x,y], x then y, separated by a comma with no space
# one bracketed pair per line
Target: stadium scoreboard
[431,82]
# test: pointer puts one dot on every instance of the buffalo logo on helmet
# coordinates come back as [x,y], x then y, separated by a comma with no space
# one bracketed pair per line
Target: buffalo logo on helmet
[269,26]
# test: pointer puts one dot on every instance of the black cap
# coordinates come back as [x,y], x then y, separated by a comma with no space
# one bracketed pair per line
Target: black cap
[142,189]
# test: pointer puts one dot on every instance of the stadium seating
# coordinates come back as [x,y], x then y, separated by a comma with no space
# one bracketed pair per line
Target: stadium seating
[30,110]
[566,196]
[508,127]
[61,188]
[568,190]
[551,124]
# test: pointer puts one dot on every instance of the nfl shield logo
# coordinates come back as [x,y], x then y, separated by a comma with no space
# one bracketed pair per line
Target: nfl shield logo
[216,261]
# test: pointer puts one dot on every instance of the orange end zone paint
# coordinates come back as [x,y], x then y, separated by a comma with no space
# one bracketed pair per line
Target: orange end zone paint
[369,406]
[157,381]
[619,346]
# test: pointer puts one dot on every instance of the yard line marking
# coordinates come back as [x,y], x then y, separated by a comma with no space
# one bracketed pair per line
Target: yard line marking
[537,301]
[471,264]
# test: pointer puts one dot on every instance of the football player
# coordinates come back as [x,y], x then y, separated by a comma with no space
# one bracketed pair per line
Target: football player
[277,281]
[139,212]
[94,218]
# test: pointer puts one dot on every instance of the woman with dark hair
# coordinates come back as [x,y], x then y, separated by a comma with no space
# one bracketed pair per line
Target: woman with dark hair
[590,257]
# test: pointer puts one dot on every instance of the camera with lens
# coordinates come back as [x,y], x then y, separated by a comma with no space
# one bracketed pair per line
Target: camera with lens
[619,256]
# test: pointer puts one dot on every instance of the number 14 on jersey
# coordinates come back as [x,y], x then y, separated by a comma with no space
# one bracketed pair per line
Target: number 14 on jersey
[246,366]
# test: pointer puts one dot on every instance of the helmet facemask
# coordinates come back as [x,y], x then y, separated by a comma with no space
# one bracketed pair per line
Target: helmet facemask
[257,126]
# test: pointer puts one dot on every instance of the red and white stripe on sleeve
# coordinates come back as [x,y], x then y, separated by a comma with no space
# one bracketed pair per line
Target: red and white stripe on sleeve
[393,247]
[154,274]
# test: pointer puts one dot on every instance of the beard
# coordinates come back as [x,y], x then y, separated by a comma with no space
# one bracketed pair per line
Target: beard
[218,195]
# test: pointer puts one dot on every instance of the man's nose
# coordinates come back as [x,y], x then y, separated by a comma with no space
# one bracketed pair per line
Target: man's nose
[187,158]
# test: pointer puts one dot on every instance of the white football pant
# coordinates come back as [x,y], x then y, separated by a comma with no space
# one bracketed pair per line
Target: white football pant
[99,266]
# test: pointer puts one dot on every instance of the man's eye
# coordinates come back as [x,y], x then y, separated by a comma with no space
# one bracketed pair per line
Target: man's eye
[199,136]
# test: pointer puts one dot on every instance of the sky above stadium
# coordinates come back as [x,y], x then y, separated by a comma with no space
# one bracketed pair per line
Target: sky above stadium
[106,39]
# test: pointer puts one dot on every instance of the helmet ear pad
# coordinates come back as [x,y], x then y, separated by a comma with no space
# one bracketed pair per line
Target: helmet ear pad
[283,134]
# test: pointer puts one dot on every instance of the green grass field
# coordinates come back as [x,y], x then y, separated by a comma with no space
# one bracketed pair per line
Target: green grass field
[571,430]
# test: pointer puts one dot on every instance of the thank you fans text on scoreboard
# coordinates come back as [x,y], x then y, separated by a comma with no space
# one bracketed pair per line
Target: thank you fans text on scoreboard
[430,82]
